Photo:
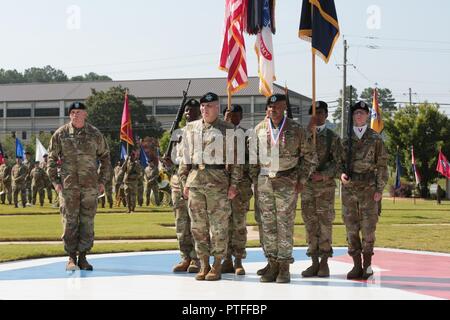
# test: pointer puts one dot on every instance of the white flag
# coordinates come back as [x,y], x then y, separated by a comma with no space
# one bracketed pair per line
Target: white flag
[264,52]
[40,151]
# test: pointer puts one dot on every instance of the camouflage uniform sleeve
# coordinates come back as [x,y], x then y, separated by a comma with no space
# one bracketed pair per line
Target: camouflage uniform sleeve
[381,166]
[308,157]
[335,169]
[184,168]
[254,168]
[54,150]
[105,162]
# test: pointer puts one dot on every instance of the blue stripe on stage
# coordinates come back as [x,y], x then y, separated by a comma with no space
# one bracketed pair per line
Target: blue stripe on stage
[120,266]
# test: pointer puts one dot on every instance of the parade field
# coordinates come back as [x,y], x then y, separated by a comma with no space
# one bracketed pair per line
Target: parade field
[34,232]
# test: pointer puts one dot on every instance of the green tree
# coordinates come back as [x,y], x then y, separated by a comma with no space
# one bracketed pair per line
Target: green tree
[91,76]
[426,128]
[385,100]
[46,74]
[10,76]
[105,112]
[338,112]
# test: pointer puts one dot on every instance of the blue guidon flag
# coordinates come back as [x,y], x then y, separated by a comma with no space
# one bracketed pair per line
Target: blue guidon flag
[320,27]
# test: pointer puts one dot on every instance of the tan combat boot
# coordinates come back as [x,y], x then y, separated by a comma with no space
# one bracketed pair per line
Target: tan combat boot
[313,269]
[239,269]
[83,263]
[216,270]
[194,266]
[283,275]
[182,266]
[262,271]
[227,265]
[324,270]
[72,263]
[204,268]
[367,266]
[357,271]
[271,274]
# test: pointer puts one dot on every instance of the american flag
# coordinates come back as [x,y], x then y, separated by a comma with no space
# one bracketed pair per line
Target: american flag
[413,162]
[232,59]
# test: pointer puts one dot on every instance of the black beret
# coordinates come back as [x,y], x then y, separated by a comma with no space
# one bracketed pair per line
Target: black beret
[233,108]
[320,105]
[209,97]
[77,106]
[45,155]
[276,98]
[360,105]
[192,103]
[27,152]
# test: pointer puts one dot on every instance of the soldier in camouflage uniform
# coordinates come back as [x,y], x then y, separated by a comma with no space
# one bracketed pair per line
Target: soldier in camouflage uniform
[151,175]
[48,183]
[208,186]
[318,195]
[362,190]
[78,145]
[19,174]
[38,179]
[29,164]
[130,173]
[239,207]
[189,260]
[118,185]
[292,160]
[5,177]
[140,189]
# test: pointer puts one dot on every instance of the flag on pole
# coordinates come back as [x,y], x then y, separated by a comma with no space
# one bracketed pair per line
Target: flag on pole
[414,168]
[232,58]
[264,52]
[143,158]
[376,122]
[2,154]
[443,166]
[321,27]
[398,172]
[40,151]
[126,132]
[19,149]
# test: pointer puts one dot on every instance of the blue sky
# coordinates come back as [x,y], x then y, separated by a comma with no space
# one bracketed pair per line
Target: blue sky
[139,39]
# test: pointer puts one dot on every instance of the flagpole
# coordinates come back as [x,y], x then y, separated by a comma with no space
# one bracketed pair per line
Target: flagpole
[313,83]
[229,101]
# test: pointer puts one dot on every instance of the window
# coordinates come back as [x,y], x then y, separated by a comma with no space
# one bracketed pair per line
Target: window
[1,113]
[20,113]
[24,135]
[167,109]
[260,108]
[46,112]
[66,112]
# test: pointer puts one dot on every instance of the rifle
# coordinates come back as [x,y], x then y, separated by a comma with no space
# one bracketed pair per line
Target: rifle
[288,103]
[176,122]
[349,135]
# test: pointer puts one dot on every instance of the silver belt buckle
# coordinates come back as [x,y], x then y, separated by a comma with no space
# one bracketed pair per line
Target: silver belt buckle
[201,167]
[272,174]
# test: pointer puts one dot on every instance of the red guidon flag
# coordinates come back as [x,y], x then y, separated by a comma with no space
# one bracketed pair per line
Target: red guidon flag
[232,58]
[443,166]
[126,133]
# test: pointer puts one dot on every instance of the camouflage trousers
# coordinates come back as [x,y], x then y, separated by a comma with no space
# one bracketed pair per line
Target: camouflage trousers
[277,201]
[108,196]
[78,208]
[120,195]
[28,191]
[7,193]
[360,214]
[238,223]
[258,218]
[152,187]
[16,189]
[210,212]
[182,221]
[318,215]
[38,189]
[130,189]
[49,188]
[140,194]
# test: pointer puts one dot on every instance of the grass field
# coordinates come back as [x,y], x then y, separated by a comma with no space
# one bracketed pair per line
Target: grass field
[403,224]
